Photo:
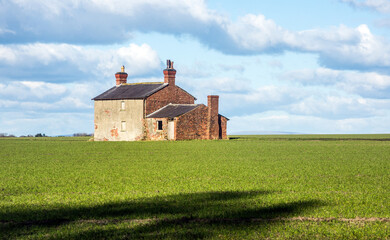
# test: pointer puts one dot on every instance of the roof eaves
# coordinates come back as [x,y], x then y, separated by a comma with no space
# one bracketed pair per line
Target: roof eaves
[198,105]
[111,89]
[223,116]
[158,110]
[170,104]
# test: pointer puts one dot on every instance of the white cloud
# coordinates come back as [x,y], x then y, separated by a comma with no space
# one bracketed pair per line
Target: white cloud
[108,22]
[338,47]
[4,31]
[369,52]
[382,6]
[40,97]
[52,61]
[324,93]
[339,107]
[31,90]
[256,33]
[100,21]
[366,84]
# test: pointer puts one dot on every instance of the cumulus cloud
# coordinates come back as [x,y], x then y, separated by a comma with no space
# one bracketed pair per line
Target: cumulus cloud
[382,6]
[114,21]
[257,33]
[71,63]
[37,91]
[324,93]
[99,22]
[42,96]
[338,107]
[338,47]
[365,84]
[264,98]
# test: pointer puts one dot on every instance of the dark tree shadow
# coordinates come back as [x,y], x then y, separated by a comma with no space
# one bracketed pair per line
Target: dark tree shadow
[182,216]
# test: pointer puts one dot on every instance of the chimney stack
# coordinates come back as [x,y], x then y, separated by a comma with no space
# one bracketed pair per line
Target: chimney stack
[169,74]
[212,103]
[121,77]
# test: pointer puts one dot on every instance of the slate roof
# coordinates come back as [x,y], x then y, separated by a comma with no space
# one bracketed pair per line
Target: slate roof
[173,110]
[131,91]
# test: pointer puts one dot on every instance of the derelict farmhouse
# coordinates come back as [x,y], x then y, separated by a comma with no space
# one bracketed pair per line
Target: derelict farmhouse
[155,111]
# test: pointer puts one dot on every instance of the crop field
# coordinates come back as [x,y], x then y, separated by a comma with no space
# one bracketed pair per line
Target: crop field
[248,187]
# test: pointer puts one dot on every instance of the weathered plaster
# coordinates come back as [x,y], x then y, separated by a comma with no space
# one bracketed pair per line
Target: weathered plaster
[109,116]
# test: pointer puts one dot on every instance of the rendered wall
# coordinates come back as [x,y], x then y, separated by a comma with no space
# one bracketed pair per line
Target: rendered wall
[152,132]
[109,117]
[169,94]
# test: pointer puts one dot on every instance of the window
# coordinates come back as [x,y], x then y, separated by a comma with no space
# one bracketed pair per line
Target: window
[123,106]
[123,126]
[159,125]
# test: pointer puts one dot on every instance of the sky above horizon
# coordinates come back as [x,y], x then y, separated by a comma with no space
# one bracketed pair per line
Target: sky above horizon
[320,67]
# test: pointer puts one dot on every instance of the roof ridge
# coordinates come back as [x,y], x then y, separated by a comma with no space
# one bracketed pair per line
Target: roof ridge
[131,91]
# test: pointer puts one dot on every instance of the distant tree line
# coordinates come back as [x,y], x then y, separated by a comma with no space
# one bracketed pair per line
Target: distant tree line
[6,135]
[36,135]
[82,134]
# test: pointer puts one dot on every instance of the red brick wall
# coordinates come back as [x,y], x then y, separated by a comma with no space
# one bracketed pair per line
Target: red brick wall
[169,94]
[193,125]
[222,127]
[212,104]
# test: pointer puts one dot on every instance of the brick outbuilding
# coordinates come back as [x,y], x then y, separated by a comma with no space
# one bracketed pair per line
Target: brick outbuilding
[155,111]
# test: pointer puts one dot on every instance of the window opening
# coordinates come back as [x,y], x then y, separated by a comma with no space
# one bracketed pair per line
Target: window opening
[159,125]
[123,126]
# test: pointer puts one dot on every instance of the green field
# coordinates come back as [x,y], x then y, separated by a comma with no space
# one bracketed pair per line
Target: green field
[249,187]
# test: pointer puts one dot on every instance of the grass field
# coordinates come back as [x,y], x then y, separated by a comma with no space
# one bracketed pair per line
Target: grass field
[295,186]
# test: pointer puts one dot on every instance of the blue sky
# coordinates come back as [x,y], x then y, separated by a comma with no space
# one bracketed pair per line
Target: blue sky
[279,66]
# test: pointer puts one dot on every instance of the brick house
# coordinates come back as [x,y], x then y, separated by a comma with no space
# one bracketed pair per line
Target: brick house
[155,111]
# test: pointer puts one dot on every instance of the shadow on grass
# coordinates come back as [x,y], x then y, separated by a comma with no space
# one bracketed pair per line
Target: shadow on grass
[182,216]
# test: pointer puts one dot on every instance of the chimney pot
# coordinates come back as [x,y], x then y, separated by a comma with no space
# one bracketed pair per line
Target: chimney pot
[121,77]
[169,74]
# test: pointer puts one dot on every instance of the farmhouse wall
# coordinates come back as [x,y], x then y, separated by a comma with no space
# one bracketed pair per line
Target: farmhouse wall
[192,125]
[117,121]
[169,94]
[212,103]
[222,127]
[152,132]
